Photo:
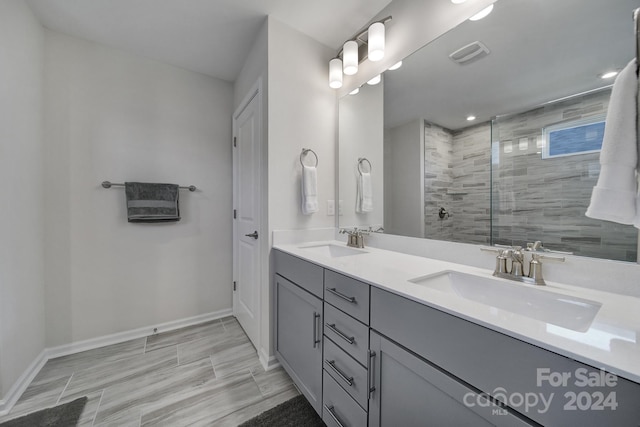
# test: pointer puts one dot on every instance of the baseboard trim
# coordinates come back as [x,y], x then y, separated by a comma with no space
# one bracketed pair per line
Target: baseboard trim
[92,343]
[267,362]
[22,383]
[76,347]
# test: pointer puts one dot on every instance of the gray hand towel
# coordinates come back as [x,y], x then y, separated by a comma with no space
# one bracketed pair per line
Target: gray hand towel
[150,202]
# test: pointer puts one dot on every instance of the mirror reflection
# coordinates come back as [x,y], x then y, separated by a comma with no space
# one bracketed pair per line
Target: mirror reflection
[467,150]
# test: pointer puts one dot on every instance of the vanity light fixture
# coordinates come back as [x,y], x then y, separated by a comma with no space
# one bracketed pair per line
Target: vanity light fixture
[375,80]
[350,57]
[482,14]
[395,66]
[355,91]
[376,41]
[369,43]
[609,75]
[335,73]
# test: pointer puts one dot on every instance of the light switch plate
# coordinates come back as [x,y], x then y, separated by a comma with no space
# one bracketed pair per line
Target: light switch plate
[331,207]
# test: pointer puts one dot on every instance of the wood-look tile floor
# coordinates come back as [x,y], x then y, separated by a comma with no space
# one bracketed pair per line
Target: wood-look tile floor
[203,375]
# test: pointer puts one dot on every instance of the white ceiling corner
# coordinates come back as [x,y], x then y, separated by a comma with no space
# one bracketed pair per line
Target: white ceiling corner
[212,37]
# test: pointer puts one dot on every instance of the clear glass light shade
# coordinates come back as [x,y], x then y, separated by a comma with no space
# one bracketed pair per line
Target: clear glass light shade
[335,73]
[376,41]
[375,80]
[350,58]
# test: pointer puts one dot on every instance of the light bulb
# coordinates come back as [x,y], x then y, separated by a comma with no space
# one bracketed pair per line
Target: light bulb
[375,80]
[482,14]
[335,73]
[350,57]
[376,41]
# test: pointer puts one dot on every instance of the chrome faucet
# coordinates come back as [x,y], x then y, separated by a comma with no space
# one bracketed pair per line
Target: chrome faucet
[510,262]
[355,237]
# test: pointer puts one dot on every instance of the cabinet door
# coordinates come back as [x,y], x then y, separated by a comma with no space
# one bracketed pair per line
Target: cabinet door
[411,392]
[299,338]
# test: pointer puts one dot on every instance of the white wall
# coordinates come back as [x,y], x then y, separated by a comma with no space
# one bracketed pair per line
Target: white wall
[113,116]
[404,179]
[360,135]
[302,113]
[22,334]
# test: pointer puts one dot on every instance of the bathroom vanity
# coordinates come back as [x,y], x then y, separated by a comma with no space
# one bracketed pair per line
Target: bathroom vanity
[378,338]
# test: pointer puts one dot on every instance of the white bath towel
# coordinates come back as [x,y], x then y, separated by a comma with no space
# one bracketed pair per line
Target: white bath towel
[364,199]
[615,197]
[309,190]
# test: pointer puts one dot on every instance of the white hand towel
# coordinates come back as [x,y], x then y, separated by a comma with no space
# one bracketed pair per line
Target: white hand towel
[364,199]
[615,196]
[309,190]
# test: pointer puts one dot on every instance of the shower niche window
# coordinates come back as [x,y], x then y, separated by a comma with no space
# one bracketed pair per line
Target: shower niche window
[575,137]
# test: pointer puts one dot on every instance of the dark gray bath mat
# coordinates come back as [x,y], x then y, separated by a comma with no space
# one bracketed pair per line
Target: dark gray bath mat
[296,412]
[65,415]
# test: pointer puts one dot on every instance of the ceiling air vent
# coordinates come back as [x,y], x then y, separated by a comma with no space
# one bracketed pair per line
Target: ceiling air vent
[471,52]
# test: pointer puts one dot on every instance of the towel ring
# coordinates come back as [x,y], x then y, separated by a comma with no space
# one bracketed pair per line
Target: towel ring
[361,160]
[304,152]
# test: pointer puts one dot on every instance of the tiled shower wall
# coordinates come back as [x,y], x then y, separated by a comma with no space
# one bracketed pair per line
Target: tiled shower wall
[545,199]
[533,198]
[457,178]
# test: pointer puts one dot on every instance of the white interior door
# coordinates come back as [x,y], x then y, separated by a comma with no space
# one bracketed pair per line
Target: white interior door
[247,233]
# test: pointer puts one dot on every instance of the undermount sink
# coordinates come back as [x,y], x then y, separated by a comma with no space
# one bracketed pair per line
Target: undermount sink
[333,251]
[540,304]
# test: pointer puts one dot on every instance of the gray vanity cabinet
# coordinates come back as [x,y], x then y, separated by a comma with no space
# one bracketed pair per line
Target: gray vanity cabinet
[299,338]
[411,392]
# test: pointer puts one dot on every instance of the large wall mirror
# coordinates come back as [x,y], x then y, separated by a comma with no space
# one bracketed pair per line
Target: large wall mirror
[461,141]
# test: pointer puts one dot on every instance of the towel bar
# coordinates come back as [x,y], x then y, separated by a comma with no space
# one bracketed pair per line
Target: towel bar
[108,184]
[361,160]
[304,153]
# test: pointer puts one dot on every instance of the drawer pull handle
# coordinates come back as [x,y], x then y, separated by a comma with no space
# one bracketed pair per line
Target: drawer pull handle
[342,375]
[329,409]
[339,333]
[370,387]
[316,341]
[352,300]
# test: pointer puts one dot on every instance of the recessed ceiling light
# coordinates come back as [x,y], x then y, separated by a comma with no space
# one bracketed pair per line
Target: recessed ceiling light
[471,118]
[609,74]
[355,91]
[396,66]
[375,80]
[458,1]
[482,14]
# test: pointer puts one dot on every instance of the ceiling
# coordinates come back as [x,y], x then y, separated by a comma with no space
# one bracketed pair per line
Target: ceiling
[541,51]
[207,36]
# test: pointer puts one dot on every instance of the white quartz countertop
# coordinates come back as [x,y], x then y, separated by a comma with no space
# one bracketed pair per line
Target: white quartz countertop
[611,342]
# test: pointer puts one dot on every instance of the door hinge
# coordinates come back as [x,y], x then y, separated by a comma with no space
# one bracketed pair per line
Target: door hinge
[235,142]
[235,213]
[234,285]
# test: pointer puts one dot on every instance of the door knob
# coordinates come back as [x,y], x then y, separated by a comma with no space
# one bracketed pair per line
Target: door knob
[254,235]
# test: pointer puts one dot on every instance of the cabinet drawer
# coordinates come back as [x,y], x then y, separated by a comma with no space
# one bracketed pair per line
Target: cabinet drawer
[346,371]
[349,295]
[304,274]
[347,332]
[337,405]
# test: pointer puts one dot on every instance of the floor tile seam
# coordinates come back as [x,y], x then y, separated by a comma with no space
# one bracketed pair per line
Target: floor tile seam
[95,414]
[65,388]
